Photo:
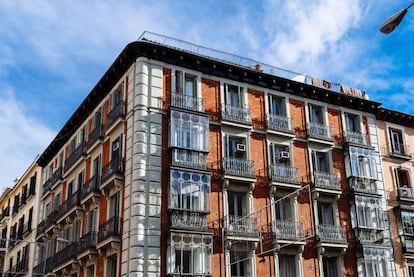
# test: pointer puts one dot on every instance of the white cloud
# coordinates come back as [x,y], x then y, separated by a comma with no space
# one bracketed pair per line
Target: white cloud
[23,138]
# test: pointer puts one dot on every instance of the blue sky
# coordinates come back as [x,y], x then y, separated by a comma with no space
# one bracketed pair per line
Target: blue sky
[53,52]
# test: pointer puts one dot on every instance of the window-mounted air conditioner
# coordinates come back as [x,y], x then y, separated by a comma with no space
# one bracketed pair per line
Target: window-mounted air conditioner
[115,146]
[284,155]
[240,148]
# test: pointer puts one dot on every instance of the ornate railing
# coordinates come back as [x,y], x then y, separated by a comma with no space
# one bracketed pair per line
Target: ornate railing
[290,230]
[71,202]
[52,180]
[284,174]
[115,166]
[236,114]
[279,123]
[112,227]
[365,185]
[189,220]
[47,222]
[67,253]
[88,241]
[326,180]
[238,167]
[95,135]
[117,112]
[92,185]
[331,233]
[188,158]
[244,226]
[405,193]
[75,156]
[356,138]
[319,131]
[187,102]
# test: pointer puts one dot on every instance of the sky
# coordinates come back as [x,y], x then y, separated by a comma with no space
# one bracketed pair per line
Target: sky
[52,53]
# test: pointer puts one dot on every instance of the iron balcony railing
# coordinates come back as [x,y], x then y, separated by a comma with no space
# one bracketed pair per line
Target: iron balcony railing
[279,123]
[405,193]
[188,158]
[371,236]
[319,131]
[408,244]
[67,253]
[284,174]
[242,226]
[114,167]
[71,202]
[111,228]
[52,180]
[356,138]
[189,220]
[238,167]
[95,135]
[331,233]
[5,213]
[116,113]
[75,156]
[88,241]
[187,102]
[44,266]
[236,114]
[288,230]
[364,185]
[47,222]
[92,185]
[400,151]
[325,180]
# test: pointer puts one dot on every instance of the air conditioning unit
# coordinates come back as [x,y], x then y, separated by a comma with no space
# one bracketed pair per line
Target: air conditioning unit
[284,155]
[240,148]
[115,146]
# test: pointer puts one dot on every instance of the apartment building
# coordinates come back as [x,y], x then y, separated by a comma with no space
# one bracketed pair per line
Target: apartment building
[17,224]
[396,133]
[187,161]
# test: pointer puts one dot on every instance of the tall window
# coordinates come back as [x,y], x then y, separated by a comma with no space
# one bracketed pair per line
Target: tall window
[111,266]
[363,162]
[277,105]
[325,213]
[402,177]
[320,161]
[279,154]
[287,266]
[397,143]
[235,147]
[237,203]
[116,97]
[190,254]
[352,123]
[410,270]
[375,266]
[369,212]
[189,131]
[189,190]
[97,167]
[330,266]
[90,271]
[316,114]
[185,83]
[284,209]
[91,221]
[113,205]
[233,95]
[240,263]
[407,220]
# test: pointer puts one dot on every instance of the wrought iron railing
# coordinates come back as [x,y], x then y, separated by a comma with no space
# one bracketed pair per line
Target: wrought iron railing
[189,220]
[356,138]
[319,131]
[331,233]
[236,114]
[289,230]
[52,180]
[365,185]
[187,102]
[95,135]
[325,180]
[112,227]
[117,112]
[72,201]
[188,158]
[92,185]
[75,156]
[114,167]
[88,241]
[279,123]
[46,223]
[371,236]
[243,226]
[284,174]
[238,167]
[67,253]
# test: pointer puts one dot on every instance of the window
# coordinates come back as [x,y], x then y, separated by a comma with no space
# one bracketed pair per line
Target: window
[316,114]
[190,254]
[277,154]
[330,266]
[113,206]
[97,119]
[287,266]
[90,271]
[362,162]
[284,209]
[277,105]
[189,190]
[111,266]
[96,169]
[57,201]
[185,83]
[369,212]
[233,95]
[116,98]
[70,189]
[402,177]
[352,123]
[410,270]
[325,213]
[320,161]
[235,147]
[375,266]
[397,144]
[407,220]
[189,131]
[29,221]
[91,221]
[237,203]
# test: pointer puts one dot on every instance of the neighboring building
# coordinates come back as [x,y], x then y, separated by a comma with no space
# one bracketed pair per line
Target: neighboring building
[396,133]
[186,161]
[19,213]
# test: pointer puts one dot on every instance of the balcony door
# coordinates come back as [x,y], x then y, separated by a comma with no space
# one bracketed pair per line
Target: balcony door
[320,161]
[235,147]
[325,214]
[316,114]
[233,96]
[277,105]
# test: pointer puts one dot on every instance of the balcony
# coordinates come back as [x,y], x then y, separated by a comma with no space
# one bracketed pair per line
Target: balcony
[238,167]
[75,156]
[242,227]
[400,151]
[236,114]
[118,112]
[5,214]
[188,158]
[363,185]
[56,176]
[66,257]
[187,102]
[44,267]
[281,173]
[47,223]
[87,245]
[90,191]
[331,234]
[189,221]
[70,208]
[109,235]
[356,138]
[405,194]
[286,230]
[112,176]
[320,132]
[95,136]
[280,124]
[326,182]
[371,236]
